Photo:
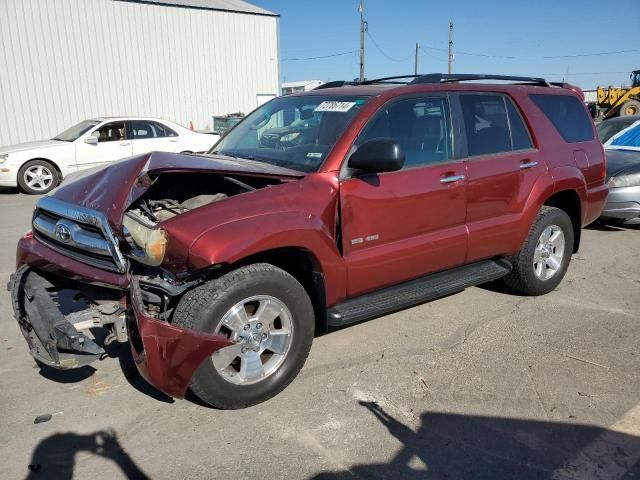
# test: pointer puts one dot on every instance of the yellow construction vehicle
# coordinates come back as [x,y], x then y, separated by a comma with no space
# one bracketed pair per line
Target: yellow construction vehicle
[622,102]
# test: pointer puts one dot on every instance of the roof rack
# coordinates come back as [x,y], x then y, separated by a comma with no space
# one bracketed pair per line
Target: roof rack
[465,77]
[440,78]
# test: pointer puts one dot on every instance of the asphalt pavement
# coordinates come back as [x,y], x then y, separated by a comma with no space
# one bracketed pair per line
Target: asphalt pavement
[483,384]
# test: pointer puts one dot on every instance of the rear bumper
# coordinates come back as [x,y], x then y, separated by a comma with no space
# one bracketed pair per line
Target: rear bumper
[167,356]
[595,201]
[623,203]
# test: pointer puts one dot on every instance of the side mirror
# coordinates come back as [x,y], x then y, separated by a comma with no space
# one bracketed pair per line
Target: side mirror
[91,140]
[378,155]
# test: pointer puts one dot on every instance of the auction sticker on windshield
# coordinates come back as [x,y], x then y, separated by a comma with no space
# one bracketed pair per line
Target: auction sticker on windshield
[333,106]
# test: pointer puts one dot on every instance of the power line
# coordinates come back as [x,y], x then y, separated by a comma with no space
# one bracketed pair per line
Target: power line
[318,57]
[510,57]
[594,54]
[384,53]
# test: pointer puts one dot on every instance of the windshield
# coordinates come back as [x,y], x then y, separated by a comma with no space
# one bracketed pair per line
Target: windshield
[292,132]
[606,130]
[635,78]
[73,133]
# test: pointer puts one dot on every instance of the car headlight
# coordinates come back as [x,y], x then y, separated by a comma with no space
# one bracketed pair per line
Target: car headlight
[289,137]
[630,180]
[149,245]
[3,158]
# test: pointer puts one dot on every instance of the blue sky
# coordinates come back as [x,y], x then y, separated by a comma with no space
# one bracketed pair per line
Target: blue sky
[527,31]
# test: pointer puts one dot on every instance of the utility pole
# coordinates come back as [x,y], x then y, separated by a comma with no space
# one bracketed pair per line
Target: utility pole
[415,69]
[363,26]
[450,46]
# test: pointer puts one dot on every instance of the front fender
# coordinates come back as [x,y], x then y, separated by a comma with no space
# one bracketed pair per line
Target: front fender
[234,241]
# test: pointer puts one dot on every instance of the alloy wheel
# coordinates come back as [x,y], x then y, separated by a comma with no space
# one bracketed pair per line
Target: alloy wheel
[262,328]
[549,252]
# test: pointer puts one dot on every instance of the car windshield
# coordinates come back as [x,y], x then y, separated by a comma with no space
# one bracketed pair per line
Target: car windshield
[606,130]
[295,132]
[73,133]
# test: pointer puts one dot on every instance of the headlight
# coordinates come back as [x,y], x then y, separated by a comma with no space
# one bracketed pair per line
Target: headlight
[149,245]
[631,180]
[289,137]
[3,158]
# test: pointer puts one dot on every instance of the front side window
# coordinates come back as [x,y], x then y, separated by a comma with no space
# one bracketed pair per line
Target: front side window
[111,132]
[420,126]
[296,132]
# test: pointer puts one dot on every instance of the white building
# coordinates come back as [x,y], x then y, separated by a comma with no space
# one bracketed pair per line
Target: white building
[62,61]
[302,86]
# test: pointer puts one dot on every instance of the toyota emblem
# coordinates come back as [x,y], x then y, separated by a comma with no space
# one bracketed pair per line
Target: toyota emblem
[63,233]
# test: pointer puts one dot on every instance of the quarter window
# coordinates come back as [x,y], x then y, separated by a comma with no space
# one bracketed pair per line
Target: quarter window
[567,114]
[420,126]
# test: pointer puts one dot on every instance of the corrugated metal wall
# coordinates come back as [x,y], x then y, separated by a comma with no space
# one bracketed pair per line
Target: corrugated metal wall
[62,61]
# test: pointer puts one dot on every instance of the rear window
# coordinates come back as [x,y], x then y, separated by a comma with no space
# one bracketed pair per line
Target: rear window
[567,114]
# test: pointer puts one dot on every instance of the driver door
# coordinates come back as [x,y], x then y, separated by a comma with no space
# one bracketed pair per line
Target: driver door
[113,144]
[401,225]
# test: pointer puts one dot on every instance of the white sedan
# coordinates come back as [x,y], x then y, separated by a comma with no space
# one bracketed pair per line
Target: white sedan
[38,167]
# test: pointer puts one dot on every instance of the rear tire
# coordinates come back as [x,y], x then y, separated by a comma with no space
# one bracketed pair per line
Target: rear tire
[630,108]
[543,260]
[269,314]
[37,177]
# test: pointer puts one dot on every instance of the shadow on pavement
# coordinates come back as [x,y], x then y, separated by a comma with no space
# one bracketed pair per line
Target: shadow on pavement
[55,456]
[452,446]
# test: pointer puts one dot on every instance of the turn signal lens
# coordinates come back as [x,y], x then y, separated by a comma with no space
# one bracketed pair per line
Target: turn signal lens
[156,247]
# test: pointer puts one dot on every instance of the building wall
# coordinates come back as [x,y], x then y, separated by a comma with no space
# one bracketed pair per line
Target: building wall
[62,61]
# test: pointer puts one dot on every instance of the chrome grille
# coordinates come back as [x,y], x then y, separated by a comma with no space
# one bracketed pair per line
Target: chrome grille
[77,232]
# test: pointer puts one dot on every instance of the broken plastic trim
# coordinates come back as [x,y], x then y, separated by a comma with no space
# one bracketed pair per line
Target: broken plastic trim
[52,339]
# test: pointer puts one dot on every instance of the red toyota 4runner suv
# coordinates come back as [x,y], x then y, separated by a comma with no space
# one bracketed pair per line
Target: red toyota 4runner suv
[316,211]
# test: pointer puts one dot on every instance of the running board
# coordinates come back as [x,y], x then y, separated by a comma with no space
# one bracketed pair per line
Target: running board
[416,291]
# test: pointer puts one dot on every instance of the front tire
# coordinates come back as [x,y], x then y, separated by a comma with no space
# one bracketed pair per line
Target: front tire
[37,177]
[543,260]
[269,315]
[630,108]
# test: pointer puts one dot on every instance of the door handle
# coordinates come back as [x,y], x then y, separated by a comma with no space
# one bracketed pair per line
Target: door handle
[173,140]
[452,179]
[525,165]
[125,144]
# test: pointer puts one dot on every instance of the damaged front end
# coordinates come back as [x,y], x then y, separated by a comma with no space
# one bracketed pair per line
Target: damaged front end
[105,264]
[54,315]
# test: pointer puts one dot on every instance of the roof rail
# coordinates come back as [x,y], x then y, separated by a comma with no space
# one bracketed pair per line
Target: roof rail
[335,83]
[465,77]
[373,81]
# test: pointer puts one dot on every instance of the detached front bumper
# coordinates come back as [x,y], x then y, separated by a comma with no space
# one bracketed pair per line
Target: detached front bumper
[167,356]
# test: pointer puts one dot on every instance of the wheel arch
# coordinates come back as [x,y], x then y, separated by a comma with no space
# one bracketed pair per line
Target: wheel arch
[301,264]
[569,201]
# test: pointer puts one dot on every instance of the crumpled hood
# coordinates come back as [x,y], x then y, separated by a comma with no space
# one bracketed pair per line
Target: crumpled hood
[113,188]
[21,147]
[622,161]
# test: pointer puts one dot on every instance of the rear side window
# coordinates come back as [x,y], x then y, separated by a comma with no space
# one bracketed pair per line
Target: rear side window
[519,132]
[568,116]
[493,124]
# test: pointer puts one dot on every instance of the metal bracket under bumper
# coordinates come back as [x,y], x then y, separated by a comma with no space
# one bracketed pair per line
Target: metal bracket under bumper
[166,355]
[52,339]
